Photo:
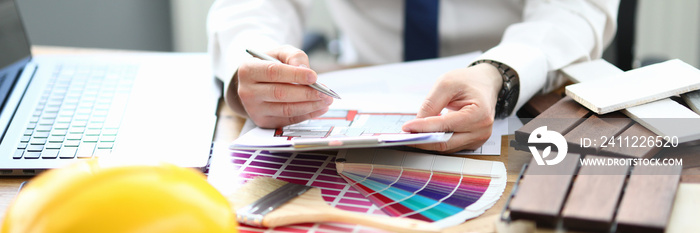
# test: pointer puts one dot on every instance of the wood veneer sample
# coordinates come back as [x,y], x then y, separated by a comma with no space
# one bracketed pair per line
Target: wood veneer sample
[691,175]
[646,204]
[542,191]
[689,155]
[540,103]
[628,138]
[594,196]
[596,128]
[561,117]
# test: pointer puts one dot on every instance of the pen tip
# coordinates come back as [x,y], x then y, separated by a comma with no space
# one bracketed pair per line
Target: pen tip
[333,94]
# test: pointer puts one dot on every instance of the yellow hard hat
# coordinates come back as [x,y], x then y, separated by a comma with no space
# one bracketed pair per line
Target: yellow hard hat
[88,197]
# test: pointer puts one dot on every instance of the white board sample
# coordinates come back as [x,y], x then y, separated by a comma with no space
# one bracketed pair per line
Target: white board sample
[667,118]
[636,87]
[589,71]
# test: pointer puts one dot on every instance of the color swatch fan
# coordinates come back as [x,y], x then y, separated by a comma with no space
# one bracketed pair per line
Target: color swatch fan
[439,189]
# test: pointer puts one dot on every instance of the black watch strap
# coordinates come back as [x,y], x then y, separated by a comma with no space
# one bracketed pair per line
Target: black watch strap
[510,90]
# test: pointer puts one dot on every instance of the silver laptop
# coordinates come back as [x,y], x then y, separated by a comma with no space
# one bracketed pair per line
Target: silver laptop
[58,109]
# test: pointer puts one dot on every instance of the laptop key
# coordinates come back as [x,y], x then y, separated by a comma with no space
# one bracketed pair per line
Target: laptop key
[37,141]
[102,152]
[97,119]
[28,132]
[90,138]
[31,155]
[92,132]
[67,152]
[49,116]
[51,110]
[105,145]
[18,154]
[66,113]
[107,138]
[74,136]
[34,148]
[79,123]
[56,139]
[41,134]
[59,132]
[81,117]
[71,143]
[64,119]
[49,154]
[43,128]
[85,150]
[63,126]
[77,130]
[46,122]
[109,132]
[94,126]
[52,146]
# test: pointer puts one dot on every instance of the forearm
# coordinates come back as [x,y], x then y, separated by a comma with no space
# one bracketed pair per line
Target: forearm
[234,26]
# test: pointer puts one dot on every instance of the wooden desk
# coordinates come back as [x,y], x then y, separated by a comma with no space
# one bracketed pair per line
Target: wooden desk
[228,127]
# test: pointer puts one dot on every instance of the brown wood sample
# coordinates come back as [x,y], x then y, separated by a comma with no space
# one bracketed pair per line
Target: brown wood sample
[596,128]
[561,117]
[629,150]
[690,175]
[542,191]
[689,154]
[593,197]
[646,204]
[539,103]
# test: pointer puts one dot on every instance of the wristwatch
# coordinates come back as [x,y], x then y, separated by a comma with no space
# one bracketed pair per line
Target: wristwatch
[508,96]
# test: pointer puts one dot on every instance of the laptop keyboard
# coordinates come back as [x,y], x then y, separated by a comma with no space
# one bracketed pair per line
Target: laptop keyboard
[79,113]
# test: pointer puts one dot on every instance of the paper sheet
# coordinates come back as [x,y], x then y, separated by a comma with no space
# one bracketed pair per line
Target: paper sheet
[399,87]
[339,129]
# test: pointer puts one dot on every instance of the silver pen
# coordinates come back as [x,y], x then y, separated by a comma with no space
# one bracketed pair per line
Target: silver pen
[319,87]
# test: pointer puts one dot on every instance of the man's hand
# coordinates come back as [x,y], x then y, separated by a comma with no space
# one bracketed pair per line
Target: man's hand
[470,95]
[276,95]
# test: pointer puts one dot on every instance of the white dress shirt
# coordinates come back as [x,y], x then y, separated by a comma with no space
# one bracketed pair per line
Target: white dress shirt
[534,37]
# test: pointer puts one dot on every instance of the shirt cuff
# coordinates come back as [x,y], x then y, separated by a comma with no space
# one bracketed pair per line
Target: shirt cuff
[530,64]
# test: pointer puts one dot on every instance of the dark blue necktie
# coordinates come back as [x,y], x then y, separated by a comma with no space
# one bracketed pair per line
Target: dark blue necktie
[420,35]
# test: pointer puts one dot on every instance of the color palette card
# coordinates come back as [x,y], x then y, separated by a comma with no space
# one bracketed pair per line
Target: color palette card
[232,168]
[444,190]
[441,193]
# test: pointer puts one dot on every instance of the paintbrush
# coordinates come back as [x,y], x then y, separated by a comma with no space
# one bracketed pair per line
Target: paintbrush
[268,202]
